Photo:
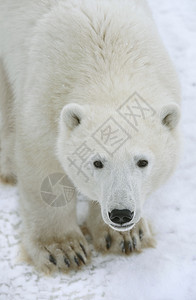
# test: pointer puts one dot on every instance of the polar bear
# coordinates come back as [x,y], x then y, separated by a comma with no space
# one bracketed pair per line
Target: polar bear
[88,91]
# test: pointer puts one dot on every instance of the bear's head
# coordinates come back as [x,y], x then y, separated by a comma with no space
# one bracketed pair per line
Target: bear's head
[115,160]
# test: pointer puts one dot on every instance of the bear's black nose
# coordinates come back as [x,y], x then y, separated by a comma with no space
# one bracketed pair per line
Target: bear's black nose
[121,216]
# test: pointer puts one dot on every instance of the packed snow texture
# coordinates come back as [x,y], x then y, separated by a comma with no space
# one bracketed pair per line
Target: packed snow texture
[167,272]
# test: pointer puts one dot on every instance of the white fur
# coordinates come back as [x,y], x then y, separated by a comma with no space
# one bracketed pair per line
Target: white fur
[66,60]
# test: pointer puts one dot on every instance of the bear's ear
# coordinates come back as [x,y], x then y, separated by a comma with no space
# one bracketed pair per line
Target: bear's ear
[72,115]
[170,115]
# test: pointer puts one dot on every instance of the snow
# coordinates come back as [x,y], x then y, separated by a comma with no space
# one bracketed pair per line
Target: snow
[167,272]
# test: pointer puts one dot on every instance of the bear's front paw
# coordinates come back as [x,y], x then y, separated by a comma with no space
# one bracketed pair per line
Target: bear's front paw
[108,240]
[67,254]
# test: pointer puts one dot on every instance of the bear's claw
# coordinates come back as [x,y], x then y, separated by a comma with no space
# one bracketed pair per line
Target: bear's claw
[108,241]
[52,259]
[124,242]
[70,252]
[67,262]
[141,234]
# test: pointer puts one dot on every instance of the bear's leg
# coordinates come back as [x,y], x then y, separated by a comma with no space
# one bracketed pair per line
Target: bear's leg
[6,129]
[107,240]
[55,253]
[51,237]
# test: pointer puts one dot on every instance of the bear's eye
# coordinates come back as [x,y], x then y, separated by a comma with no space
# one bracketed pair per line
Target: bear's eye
[98,164]
[142,163]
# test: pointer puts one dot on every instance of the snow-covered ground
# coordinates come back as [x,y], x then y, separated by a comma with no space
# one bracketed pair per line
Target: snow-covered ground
[167,272]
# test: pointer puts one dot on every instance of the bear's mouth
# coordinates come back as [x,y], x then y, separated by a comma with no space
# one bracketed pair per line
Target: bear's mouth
[122,227]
